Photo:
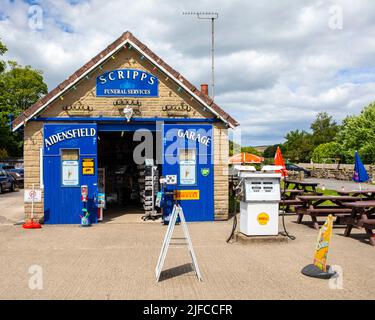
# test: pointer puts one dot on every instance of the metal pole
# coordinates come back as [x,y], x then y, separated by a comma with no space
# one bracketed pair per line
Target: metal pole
[212,16]
[213,57]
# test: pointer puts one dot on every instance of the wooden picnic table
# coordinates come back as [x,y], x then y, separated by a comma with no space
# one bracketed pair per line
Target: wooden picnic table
[316,206]
[362,216]
[368,194]
[288,198]
[302,185]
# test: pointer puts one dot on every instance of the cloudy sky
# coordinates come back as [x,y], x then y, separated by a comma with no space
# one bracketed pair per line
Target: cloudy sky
[278,62]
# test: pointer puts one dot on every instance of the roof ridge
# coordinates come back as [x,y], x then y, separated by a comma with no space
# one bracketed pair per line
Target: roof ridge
[127,35]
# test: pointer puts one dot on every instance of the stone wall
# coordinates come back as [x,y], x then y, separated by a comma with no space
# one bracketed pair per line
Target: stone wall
[84,95]
[335,171]
[33,142]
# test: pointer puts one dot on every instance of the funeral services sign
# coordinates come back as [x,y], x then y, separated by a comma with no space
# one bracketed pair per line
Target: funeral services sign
[126,83]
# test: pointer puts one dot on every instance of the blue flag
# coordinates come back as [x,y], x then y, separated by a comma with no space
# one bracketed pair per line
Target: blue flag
[360,173]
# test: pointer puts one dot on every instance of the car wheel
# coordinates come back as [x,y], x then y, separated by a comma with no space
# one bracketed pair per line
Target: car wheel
[1,188]
[12,187]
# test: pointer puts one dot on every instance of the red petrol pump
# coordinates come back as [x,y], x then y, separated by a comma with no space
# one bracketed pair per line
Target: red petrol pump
[84,193]
[85,222]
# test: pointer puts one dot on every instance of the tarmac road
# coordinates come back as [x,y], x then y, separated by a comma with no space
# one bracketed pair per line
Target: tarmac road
[11,207]
[338,185]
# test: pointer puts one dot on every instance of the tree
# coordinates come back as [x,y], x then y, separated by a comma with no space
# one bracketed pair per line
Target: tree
[10,143]
[251,150]
[20,87]
[270,151]
[235,148]
[326,151]
[298,146]
[324,129]
[357,133]
[3,49]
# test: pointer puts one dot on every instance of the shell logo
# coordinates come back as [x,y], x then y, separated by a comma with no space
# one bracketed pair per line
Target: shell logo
[263,218]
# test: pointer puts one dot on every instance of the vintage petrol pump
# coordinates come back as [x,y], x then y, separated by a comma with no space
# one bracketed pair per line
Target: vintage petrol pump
[84,193]
[85,221]
[168,186]
[259,203]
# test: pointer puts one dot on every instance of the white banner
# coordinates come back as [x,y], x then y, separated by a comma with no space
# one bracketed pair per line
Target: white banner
[30,194]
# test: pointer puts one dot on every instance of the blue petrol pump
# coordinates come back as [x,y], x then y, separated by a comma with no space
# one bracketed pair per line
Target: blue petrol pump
[166,196]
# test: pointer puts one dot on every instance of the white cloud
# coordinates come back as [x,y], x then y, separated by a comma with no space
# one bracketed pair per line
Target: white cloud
[277,62]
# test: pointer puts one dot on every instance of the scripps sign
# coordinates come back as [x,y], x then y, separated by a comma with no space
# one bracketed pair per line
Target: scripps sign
[126,83]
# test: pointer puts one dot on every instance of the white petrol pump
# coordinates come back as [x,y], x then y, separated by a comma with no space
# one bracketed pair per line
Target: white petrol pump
[259,203]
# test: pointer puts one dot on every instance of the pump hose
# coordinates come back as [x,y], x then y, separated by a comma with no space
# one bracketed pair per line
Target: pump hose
[234,220]
[285,234]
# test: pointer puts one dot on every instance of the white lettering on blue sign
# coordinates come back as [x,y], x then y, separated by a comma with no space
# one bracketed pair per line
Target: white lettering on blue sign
[127,83]
[192,135]
[69,134]
[130,74]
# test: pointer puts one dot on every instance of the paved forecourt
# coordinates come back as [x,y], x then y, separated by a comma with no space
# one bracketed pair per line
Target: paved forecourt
[117,260]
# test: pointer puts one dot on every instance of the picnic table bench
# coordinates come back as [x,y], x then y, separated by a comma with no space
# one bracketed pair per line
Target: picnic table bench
[368,194]
[316,206]
[288,198]
[362,216]
[302,185]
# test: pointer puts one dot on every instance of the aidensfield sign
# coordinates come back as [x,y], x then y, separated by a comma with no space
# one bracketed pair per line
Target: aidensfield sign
[69,134]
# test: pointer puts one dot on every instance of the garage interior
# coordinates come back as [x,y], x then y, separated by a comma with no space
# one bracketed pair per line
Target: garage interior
[127,196]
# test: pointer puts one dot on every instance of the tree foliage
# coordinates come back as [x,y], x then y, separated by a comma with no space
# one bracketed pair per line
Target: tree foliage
[358,133]
[20,87]
[270,151]
[235,148]
[3,49]
[298,146]
[324,129]
[324,152]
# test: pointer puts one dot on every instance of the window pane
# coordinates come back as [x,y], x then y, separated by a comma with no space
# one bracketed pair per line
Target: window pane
[69,154]
[187,155]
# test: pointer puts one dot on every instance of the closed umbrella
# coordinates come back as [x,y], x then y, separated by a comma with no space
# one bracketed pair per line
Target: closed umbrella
[279,161]
[360,173]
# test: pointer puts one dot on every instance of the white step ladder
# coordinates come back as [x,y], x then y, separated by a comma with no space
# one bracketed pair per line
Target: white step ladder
[176,212]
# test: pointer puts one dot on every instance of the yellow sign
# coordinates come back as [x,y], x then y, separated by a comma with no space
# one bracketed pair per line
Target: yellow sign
[321,251]
[186,195]
[88,162]
[87,170]
[263,218]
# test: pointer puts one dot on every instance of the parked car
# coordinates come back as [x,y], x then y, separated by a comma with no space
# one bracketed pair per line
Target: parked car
[6,181]
[20,171]
[294,167]
[17,175]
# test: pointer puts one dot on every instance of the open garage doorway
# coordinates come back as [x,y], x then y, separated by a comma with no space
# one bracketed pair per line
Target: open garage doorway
[122,179]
